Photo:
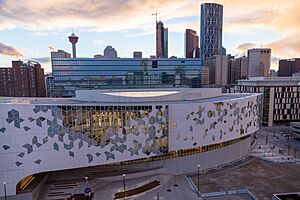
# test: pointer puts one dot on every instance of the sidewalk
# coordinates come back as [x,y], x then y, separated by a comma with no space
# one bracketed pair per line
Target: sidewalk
[180,192]
[274,145]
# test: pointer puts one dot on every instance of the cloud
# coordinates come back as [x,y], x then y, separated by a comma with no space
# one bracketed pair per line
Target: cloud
[240,17]
[241,50]
[286,47]
[275,62]
[104,15]
[51,48]
[99,42]
[40,59]
[9,50]
[44,61]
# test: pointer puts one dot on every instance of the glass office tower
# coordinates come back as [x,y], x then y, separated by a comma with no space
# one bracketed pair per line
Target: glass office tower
[90,73]
[211,25]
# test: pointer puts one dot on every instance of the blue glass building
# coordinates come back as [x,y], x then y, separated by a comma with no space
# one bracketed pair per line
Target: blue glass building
[211,25]
[71,74]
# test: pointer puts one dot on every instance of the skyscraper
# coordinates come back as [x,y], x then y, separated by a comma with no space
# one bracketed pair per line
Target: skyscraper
[211,26]
[161,40]
[241,65]
[110,52]
[218,69]
[191,40]
[237,69]
[165,43]
[259,62]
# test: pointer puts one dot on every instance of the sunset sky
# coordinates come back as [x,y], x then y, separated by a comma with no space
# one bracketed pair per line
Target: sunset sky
[30,28]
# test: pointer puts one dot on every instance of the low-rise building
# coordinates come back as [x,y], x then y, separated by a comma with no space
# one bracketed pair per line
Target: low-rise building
[91,73]
[137,54]
[281,97]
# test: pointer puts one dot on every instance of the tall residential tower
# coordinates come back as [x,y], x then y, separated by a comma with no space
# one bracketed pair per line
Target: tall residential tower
[161,40]
[211,26]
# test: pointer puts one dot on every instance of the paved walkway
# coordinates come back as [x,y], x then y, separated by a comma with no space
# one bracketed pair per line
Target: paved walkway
[275,144]
[261,177]
[230,197]
[182,192]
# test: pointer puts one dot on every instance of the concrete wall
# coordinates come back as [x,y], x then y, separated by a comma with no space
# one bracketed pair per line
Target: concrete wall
[206,160]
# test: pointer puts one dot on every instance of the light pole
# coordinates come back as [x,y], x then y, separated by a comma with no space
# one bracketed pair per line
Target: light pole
[86,180]
[4,185]
[124,186]
[198,180]
[175,184]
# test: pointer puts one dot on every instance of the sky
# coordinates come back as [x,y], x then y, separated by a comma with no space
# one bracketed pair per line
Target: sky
[30,29]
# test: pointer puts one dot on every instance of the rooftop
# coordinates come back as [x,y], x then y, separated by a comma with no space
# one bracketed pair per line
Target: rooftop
[270,81]
[140,93]
[132,96]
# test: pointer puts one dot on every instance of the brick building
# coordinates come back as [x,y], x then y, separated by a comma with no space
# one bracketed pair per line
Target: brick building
[22,80]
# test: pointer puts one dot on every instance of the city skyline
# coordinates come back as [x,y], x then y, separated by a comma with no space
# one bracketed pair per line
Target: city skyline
[29,29]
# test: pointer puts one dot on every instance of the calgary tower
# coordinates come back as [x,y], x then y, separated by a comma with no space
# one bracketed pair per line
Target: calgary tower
[73,39]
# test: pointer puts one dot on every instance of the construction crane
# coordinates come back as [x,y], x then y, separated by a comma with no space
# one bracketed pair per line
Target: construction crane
[156,13]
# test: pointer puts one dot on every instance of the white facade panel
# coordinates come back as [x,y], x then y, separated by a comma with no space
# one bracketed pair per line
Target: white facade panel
[201,124]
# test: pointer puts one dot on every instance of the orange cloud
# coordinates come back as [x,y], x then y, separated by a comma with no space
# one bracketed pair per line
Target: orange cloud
[287,47]
[280,16]
[102,15]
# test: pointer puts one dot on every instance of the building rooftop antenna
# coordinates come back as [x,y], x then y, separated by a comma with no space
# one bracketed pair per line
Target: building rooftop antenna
[156,13]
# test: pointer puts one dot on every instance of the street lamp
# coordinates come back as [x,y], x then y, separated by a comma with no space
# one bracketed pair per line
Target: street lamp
[198,180]
[175,184]
[124,186]
[169,187]
[4,185]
